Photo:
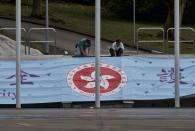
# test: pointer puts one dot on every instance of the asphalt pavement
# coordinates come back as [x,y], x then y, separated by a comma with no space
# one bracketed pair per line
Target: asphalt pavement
[65,39]
[124,119]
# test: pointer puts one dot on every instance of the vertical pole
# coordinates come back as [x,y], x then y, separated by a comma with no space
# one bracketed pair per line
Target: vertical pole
[46,25]
[134,34]
[18,55]
[97,50]
[177,54]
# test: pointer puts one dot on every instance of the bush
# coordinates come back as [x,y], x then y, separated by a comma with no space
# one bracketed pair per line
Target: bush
[118,8]
[85,2]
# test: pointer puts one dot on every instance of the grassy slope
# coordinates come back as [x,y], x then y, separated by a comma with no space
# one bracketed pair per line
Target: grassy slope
[82,19]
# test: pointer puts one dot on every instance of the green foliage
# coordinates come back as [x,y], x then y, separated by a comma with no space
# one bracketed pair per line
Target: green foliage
[145,9]
[85,2]
[147,5]
[118,9]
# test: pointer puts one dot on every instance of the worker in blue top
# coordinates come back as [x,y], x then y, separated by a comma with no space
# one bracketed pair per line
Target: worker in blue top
[82,48]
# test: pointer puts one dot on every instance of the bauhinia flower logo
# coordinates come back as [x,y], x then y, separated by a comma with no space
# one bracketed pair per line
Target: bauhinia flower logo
[103,80]
[82,79]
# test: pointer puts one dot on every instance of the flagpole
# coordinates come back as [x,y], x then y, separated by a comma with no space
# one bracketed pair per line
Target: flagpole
[46,25]
[18,53]
[134,34]
[177,54]
[97,50]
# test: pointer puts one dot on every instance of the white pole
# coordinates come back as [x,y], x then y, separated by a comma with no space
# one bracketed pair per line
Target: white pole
[134,34]
[18,55]
[97,50]
[177,53]
[46,24]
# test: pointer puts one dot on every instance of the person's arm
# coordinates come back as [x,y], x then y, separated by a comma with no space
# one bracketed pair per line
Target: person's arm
[88,51]
[84,52]
[113,45]
[122,46]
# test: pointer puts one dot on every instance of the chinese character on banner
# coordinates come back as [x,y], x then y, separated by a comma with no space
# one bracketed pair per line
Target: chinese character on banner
[168,76]
[24,78]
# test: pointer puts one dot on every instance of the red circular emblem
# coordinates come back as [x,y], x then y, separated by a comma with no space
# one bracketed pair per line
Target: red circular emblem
[82,79]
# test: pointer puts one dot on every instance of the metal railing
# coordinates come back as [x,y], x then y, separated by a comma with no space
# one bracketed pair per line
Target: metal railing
[30,41]
[151,41]
[182,41]
[12,29]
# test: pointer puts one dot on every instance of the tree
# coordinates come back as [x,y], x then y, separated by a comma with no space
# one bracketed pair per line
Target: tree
[170,15]
[36,8]
[118,8]
[182,9]
[146,9]
[85,2]
[12,1]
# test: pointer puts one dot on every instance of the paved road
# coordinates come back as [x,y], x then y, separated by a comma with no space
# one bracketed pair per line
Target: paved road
[65,39]
[97,120]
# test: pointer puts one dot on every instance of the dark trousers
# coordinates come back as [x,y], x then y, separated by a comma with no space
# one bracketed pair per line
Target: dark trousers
[116,52]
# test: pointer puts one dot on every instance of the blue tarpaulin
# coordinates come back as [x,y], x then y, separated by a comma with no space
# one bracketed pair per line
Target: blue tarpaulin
[73,79]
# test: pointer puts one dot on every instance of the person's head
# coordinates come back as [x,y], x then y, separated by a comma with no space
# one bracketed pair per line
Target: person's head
[118,41]
[88,43]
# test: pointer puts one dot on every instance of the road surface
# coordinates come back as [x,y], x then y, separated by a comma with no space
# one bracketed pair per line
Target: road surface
[65,40]
[97,120]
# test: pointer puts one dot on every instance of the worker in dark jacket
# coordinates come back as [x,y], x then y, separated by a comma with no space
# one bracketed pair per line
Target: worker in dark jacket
[82,48]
